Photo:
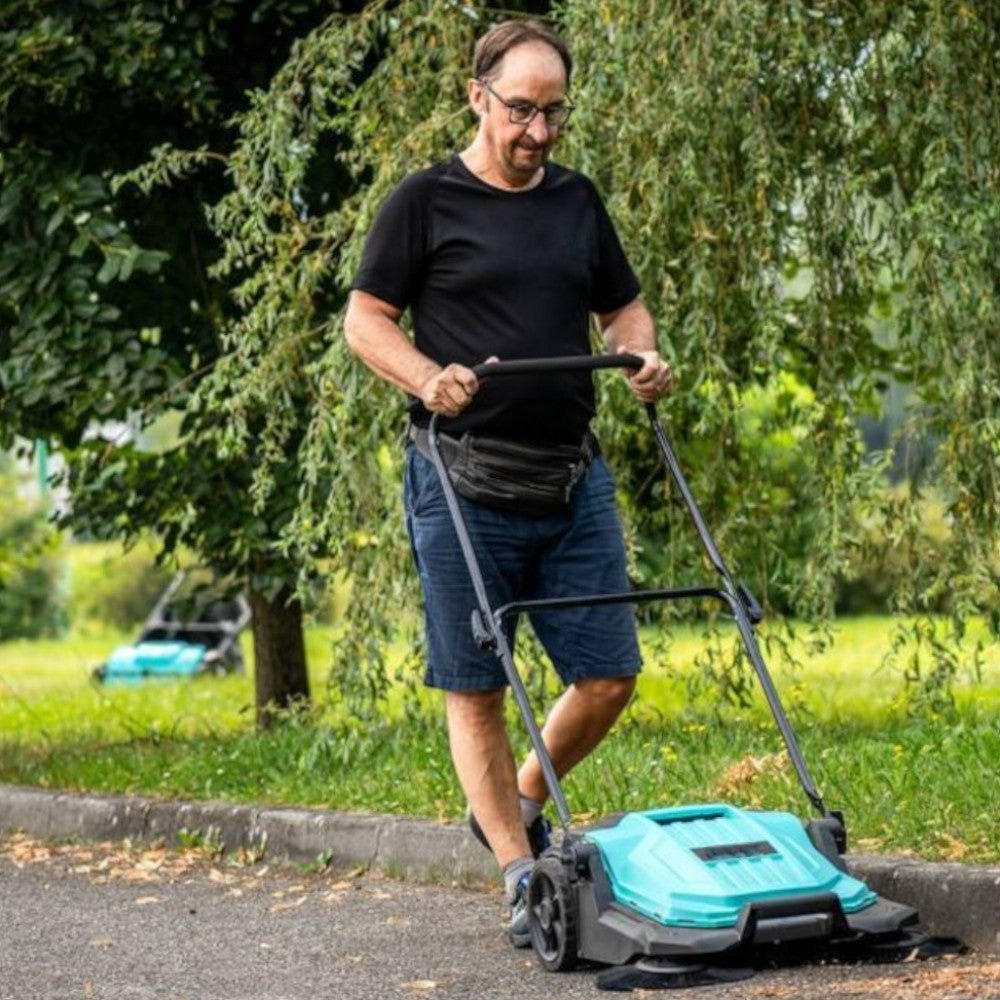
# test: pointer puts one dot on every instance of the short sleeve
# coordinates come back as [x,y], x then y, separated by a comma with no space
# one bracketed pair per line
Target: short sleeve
[615,284]
[394,254]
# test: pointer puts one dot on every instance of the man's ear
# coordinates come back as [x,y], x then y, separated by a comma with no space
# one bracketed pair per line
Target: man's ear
[477,97]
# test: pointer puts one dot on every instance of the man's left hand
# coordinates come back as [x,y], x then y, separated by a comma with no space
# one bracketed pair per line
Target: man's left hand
[653,380]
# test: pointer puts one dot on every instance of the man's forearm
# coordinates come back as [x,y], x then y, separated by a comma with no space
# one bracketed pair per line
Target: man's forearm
[380,343]
[629,329]
[372,329]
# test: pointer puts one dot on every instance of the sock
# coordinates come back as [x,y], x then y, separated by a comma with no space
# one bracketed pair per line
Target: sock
[530,810]
[513,872]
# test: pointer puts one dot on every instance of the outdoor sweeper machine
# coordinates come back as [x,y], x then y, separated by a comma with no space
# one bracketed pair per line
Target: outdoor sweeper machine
[182,637]
[682,895]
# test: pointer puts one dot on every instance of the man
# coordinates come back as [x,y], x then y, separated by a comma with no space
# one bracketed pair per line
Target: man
[499,253]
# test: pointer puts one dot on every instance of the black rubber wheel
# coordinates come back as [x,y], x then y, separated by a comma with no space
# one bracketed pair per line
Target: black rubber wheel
[552,917]
[234,661]
[823,840]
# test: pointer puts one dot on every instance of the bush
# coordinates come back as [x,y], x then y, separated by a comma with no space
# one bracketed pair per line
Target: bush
[111,586]
[753,496]
[888,562]
[31,566]
[893,546]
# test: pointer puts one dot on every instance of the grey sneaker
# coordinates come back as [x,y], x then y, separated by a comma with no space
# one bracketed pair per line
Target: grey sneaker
[520,936]
[539,834]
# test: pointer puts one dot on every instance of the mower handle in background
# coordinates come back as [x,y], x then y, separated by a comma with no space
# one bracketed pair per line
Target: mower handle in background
[541,366]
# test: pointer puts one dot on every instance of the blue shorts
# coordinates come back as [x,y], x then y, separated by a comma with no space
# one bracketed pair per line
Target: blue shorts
[574,552]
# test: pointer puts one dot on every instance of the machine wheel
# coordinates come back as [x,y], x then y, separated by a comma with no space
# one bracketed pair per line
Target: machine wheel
[552,916]
[823,840]
[234,661]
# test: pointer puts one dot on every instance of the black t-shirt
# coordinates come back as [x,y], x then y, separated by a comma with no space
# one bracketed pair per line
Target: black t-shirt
[508,273]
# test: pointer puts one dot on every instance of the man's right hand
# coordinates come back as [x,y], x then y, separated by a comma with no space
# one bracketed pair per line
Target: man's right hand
[450,390]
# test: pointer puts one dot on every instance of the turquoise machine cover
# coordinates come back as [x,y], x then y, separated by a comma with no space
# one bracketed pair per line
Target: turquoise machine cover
[698,866]
[154,659]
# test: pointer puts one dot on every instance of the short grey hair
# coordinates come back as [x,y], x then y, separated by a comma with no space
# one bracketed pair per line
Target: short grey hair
[501,38]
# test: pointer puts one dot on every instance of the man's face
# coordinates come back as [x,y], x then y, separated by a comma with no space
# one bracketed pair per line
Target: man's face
[530,73]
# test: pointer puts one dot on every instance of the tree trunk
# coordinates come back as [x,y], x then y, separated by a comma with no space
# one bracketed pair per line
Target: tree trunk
[279,653]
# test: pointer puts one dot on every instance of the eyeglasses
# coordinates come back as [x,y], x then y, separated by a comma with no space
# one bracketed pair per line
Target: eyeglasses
[523,112]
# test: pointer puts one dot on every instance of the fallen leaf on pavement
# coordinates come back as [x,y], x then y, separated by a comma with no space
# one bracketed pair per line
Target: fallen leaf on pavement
[280,907]
[138,875]
[146,900]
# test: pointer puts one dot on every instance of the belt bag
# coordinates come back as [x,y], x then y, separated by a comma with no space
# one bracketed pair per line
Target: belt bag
[534,480]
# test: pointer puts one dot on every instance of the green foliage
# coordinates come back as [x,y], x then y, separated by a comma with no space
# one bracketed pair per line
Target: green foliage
[781,181]
[808,192]
[106,309]
[888,561]
[208,842]
[81,311]
[782,178]
[60,251]
[31,565]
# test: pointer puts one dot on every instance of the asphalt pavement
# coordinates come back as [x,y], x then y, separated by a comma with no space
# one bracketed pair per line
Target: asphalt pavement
[193,938]
[114,921]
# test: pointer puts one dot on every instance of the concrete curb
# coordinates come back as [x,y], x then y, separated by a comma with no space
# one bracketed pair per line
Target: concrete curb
[400,845]
[961,901]
[954,900]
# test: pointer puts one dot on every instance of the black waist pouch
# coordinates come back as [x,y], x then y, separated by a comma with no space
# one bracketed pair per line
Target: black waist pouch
[534,480]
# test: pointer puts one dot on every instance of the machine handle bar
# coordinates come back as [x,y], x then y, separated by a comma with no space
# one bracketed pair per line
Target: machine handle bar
[540,366]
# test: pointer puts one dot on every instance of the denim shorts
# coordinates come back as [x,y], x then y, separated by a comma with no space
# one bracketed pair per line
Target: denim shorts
[576,552]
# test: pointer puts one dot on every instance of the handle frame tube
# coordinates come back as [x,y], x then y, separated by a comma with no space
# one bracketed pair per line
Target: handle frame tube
[493,618]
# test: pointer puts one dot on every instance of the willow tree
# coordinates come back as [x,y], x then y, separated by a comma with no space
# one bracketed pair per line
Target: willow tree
[811,197]
[855,147]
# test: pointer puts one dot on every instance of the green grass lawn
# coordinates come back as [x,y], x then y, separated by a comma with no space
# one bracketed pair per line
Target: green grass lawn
[908,783]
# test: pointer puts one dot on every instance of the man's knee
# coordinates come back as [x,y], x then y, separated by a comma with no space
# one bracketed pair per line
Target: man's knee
[610,692]
[475,709]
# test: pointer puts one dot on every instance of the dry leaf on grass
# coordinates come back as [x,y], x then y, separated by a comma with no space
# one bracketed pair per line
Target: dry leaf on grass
[740,777]
[952,848]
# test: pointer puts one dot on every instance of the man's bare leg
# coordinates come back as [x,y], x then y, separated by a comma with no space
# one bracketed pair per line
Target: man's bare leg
[579,720]
[484,762]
